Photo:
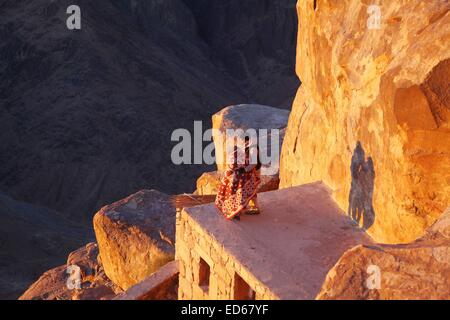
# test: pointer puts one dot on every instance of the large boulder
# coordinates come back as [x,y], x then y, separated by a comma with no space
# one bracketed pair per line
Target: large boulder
[372,117]
[249,116]
[419,270]
[135,236]
[58,284]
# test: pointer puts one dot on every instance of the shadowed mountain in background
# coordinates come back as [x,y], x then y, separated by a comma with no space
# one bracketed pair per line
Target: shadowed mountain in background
[87,115]
[32,239]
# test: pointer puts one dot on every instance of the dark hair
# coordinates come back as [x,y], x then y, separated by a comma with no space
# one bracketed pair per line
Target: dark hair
[247,149]
[258,164]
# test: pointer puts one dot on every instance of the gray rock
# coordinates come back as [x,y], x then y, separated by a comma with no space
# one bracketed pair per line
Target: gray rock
[251,116]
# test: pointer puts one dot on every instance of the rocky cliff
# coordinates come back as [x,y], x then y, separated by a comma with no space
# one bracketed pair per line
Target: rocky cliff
[372,117]
[136,236]
[417,270]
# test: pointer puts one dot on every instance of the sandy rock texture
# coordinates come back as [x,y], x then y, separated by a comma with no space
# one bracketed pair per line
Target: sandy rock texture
[371,119]
[135,236]
[160,285]
[57,284]
[419,270]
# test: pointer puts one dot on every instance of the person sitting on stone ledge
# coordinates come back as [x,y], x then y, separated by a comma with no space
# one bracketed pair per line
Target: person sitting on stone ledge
[238,189]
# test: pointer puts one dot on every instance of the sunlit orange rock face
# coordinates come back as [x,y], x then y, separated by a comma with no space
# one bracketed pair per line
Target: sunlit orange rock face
[417,270]
[372,117]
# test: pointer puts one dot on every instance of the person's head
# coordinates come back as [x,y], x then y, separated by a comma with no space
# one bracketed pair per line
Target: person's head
[247,145]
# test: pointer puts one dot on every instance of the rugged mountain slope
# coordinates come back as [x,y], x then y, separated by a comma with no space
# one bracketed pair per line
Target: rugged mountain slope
[255,40]
[372,116]
[32,240]
[87,115]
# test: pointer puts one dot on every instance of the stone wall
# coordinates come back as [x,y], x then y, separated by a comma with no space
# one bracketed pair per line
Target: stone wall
[194,244]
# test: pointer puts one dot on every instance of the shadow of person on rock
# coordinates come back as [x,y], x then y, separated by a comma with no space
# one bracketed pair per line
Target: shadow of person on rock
[361,191]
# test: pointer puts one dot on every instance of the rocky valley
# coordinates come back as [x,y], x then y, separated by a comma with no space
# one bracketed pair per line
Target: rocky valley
[357,208]
[87,115]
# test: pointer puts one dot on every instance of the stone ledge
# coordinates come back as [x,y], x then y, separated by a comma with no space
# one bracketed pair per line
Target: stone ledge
[288,249]
[156,287]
